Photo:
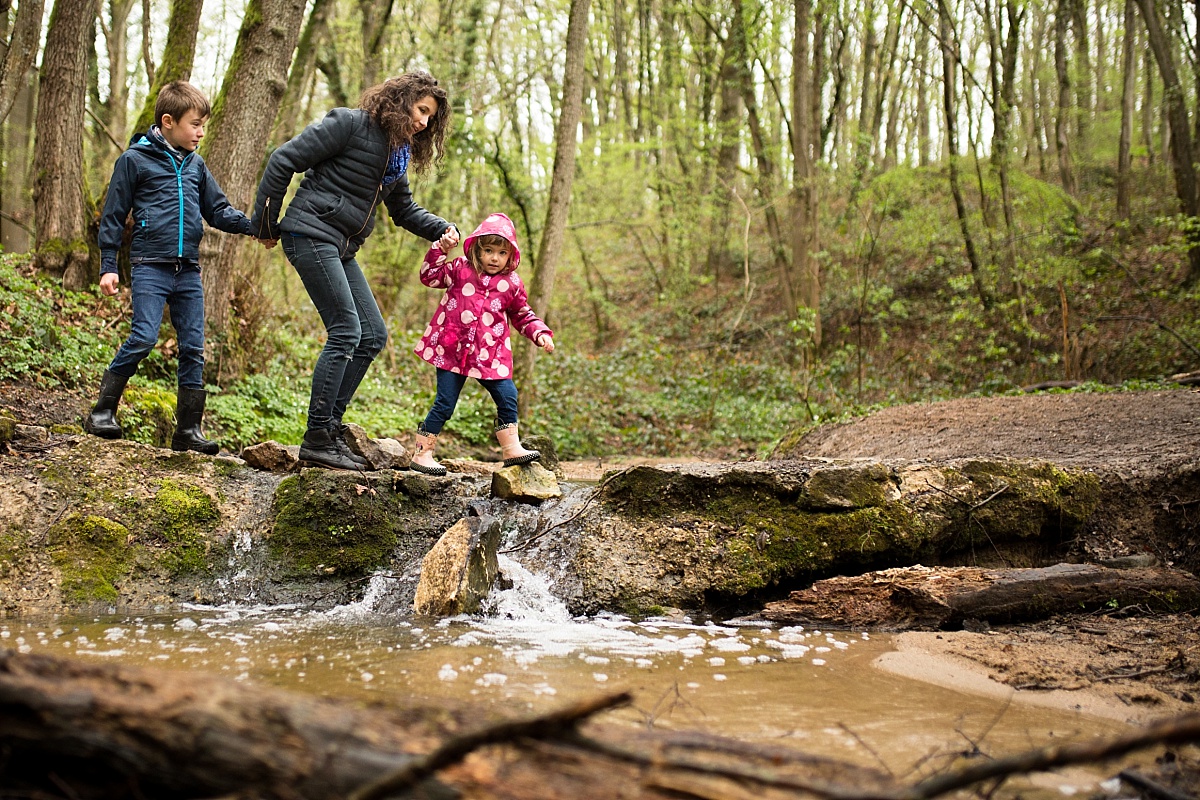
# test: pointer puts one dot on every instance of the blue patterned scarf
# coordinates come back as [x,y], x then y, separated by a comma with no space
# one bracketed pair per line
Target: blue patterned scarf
[397,165]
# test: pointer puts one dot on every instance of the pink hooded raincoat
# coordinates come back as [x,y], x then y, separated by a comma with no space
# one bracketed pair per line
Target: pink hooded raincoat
[469,331]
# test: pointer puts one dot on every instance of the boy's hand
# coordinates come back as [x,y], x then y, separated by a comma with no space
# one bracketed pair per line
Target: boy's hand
[108,283]
[546,342]
[448,240]
[267,243]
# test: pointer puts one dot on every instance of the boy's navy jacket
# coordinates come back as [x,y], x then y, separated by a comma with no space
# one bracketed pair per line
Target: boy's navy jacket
[344,158]
[168,199]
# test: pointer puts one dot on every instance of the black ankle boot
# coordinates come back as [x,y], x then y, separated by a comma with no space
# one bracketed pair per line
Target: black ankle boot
[320,448]
[189,412]
[340,434]
[102,421]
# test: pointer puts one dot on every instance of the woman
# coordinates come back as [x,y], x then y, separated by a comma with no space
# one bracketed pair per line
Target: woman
[353,160]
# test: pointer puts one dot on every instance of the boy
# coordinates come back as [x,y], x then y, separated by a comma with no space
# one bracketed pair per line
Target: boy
[167,186]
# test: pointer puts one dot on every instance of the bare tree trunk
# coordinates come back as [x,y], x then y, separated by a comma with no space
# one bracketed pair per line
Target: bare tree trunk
[862,143]
[762,153]
[113,112]
[243,114]
[1128,93]
[1066,170]
[1001,145]
[1083,80]
[729,125]
[147,50]
[558,205]
[950,114]
[375,17]
[178,54]
[21,52]
[1148,105]
[804,207]
[59,192]
[16,226]
[315,30]
[1182,161]
[924,159]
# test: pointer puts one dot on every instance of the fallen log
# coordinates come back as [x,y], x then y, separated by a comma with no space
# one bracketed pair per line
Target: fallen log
[107,730]
[944,597]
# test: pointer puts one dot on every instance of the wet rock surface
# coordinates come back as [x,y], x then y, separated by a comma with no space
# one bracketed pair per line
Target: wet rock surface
[458,572]
[531,483]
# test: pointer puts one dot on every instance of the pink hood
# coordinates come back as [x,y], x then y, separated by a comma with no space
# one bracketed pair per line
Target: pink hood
[497,225]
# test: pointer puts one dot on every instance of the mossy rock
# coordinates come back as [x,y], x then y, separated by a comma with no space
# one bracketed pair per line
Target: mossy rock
[66,429]
[14,543]
[182,515]
[93,555]
[330,523]
[8,428]
[147,414]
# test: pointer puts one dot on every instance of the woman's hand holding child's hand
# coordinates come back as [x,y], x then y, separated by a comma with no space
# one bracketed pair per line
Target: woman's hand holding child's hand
[546,342]
[449,240]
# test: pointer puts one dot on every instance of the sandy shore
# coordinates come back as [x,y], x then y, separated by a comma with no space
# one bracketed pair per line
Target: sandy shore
[1132,670]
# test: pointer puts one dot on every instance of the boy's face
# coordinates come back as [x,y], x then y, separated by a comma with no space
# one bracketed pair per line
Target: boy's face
[184,133]
[493,258]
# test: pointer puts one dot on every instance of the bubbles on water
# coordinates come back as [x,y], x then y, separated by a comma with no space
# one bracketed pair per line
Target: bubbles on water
[186,624]
[447,673]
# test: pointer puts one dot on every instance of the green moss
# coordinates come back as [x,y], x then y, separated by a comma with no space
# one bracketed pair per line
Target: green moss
[93,554]
[329,523]
[14,542]
[850,487]
[147,414]
[183,514]
[66,429]
[1031,499]
[8,428]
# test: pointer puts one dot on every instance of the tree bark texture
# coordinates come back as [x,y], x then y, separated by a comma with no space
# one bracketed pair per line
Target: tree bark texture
[16,225]
[1062,140]
[21,52]
[804,207]
[558,205]
[103,730]
[942,597]
[58,180]
[300,74]
[1182,156]
[1128,95]
[243,115]
[178,54]
[950,115]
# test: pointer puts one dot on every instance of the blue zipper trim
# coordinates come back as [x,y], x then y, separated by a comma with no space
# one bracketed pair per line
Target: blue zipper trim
[179,184]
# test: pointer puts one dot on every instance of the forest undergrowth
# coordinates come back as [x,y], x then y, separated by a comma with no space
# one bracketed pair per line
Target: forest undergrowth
[705,363]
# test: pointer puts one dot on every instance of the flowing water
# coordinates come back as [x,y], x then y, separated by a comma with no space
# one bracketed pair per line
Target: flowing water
[814,690]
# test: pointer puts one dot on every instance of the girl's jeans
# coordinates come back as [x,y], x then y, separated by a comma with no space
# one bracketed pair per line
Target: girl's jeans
[155,286]
[356,331]
[450,384]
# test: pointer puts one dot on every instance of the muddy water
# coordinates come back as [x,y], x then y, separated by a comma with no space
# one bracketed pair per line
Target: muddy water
[814,690]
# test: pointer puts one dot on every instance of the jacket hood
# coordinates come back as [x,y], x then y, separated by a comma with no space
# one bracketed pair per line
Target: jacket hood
[497,225]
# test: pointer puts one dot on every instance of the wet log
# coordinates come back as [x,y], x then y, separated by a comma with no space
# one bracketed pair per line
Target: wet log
[946,597]
[82,730]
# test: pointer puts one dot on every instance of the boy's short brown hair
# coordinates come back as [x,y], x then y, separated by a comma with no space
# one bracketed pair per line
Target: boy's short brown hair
[177,98]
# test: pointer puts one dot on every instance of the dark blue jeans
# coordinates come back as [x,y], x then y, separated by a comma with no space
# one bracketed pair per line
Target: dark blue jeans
[355,328]
[449,386]
[155,286]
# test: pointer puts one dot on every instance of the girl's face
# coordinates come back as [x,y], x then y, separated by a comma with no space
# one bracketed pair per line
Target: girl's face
[421,112]
[493,258]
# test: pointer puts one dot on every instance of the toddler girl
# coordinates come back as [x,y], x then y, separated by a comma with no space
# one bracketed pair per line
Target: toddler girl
[468,335]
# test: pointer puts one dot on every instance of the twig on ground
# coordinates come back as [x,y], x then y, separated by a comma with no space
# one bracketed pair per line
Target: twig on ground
[1152,788]
[1118,675]
[572,518]
[556,724]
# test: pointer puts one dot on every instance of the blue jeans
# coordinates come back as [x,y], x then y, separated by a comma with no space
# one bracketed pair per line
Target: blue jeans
[355,328]
[449,386]
[155,286]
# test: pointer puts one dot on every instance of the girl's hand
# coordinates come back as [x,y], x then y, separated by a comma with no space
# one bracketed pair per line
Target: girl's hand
[546,342]
[449,240]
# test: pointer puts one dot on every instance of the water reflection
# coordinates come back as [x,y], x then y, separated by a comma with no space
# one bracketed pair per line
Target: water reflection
[813,689]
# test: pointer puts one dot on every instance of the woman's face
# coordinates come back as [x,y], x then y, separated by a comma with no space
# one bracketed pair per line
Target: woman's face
[422,111]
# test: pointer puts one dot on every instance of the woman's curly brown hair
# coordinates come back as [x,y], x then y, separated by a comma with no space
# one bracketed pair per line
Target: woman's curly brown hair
[390,104]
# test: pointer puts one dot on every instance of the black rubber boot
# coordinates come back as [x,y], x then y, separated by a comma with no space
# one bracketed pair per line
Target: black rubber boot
[343,443]
[189,413]
[102,421]
[320,449]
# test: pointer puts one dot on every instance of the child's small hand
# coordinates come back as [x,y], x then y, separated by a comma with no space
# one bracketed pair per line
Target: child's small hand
[448,241]
[108,283]
[546,342]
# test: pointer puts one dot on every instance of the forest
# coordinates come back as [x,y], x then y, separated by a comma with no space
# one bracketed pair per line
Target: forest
[741,217]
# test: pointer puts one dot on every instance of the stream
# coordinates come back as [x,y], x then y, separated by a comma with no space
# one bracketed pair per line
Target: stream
[814,690]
